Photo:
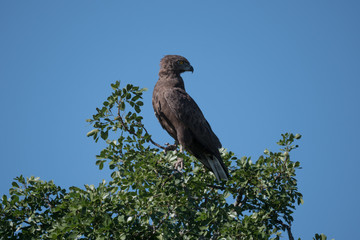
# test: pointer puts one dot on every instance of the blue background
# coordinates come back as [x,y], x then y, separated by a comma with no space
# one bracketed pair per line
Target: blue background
[262,68]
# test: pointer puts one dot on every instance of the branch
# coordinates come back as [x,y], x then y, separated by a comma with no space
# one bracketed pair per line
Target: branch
[288,229]
[239,199]
[169,147]
[216,187]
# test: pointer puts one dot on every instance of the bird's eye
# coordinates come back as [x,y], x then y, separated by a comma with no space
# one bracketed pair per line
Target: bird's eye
[181,62]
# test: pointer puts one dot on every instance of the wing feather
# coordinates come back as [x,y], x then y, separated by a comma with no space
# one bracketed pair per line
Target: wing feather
[188,112]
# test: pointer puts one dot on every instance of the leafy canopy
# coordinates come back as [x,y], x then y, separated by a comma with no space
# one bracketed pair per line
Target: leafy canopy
[148,198]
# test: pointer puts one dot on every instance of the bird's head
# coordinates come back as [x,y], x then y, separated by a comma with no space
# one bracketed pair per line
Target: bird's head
[175,63]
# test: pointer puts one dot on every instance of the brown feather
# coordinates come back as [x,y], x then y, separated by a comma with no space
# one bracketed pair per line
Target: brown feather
[182,118]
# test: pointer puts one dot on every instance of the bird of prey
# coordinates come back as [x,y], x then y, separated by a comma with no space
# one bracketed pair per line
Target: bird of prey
[182,118]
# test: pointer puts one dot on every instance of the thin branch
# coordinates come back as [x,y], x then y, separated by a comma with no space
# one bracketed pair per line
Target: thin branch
[216,187]
[288,229]
[167,148]
[239,199]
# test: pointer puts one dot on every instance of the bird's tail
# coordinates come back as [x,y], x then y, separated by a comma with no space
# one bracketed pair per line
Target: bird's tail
[218,168]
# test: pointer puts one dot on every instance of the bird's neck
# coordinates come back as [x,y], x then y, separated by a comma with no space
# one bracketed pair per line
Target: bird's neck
[171,78]
[169,73]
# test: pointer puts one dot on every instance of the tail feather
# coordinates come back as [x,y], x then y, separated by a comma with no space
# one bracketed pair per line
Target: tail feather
[217,168]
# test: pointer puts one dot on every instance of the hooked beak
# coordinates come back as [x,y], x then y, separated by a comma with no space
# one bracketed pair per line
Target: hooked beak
[190,69]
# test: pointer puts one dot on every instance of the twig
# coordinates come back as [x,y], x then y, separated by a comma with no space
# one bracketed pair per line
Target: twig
[239,199]
[288,229]
[216,187]
[142,126]
[156,144]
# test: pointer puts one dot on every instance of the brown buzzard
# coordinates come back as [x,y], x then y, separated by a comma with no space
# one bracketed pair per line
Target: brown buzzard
[181,117]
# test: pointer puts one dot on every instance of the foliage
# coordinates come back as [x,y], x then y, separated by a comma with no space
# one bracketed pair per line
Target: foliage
[148,199]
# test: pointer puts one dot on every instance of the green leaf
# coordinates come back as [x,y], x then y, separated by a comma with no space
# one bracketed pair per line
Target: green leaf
[104,134]
[101,165]
[92,132]
[14,199]
[115,85]
[137,109]
[143,90]
[129,87]
[226,194]
[297,136]
[136,97]
[122,106]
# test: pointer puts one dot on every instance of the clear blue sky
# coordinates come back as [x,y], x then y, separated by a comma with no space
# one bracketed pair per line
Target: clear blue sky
[262,68]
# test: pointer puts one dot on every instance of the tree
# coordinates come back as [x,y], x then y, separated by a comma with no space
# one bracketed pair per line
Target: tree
[148,198]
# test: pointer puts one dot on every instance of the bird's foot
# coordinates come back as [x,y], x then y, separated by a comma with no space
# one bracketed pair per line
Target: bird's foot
[179,165]
[169,147]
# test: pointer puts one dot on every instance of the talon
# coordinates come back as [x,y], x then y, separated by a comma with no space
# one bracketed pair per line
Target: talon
[170,147]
